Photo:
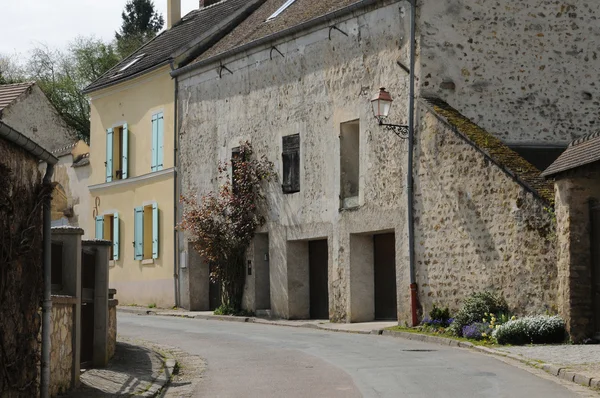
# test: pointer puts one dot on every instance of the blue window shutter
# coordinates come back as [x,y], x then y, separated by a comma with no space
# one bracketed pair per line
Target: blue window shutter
[154,230]
[99,227]
[160,143]
[109,155]
[138,231]
[124,143]
[116,236]
[154,143]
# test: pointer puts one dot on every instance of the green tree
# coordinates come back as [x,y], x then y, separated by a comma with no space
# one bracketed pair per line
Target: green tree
[62,75]
[140,24]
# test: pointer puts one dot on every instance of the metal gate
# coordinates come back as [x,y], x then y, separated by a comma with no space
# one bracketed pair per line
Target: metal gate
[595,246]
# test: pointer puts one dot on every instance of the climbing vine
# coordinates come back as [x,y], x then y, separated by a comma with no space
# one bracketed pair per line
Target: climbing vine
[222,224]
[21,278]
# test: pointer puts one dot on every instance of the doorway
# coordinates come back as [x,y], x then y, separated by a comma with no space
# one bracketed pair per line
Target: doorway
[318,255]
[595,246]
[384,261]
[214,291]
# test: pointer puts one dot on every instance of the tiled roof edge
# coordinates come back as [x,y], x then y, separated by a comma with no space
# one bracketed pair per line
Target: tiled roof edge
[585,138]
[492,148]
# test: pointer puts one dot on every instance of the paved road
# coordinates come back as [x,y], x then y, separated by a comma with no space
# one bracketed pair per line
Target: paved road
[253,360]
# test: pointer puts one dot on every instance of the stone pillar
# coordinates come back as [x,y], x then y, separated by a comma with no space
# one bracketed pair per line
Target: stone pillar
[71,285]
[362,279]
[298,280]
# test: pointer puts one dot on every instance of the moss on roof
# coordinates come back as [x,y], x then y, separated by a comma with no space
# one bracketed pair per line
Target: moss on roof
[515,165]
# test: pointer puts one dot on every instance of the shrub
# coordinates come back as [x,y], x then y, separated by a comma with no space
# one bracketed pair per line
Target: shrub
[475,330]
[442,315]
[541,329]
[475,308]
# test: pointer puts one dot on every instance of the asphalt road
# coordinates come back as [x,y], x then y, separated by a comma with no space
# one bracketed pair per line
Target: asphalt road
[253,360]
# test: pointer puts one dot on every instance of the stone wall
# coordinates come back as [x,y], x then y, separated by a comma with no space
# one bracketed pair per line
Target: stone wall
[574,190]
[476,227]
[112,327]
[33,115]
[318,85]
[61,335]
[526,70]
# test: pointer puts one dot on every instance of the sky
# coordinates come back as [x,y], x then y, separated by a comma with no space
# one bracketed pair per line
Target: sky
[26,23]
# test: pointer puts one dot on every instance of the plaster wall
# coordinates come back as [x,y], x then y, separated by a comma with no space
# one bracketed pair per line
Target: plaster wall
[526,71]
[318,85]
[148,281]
[33,115]
[476,228]
[574,190]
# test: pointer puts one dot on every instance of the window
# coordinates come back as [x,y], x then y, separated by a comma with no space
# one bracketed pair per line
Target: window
[291,163]
[157,141]
[146,232]
[349,163]
[107,228]
[281,9]
[116,153]
[133,61]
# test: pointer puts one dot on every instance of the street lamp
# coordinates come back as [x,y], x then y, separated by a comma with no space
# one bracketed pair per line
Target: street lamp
[382,103]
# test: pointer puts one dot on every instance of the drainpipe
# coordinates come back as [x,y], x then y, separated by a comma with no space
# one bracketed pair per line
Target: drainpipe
[47,303]
[176,192]
[409,174]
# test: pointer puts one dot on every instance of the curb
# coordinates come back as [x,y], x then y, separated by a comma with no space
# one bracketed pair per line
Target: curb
[163,378]
[560,372]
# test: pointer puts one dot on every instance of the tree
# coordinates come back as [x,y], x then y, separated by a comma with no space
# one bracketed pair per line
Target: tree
[62,75]
[10,70]
[223,224]
[140,24]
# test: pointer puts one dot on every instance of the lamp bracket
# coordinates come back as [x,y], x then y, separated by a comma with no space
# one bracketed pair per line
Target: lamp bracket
[400,130]
[338,29]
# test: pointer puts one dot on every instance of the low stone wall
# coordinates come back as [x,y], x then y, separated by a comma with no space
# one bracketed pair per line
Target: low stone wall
[61,355]
[112,327]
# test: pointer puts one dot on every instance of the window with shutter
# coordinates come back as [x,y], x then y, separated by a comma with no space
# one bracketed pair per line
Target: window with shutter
[115,237]
[109,155]
[154,231]
[99,227]
[291,163]
[138,233]
[157,142]
[125,149]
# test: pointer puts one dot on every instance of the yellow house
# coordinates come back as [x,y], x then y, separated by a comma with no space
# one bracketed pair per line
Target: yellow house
[133,162]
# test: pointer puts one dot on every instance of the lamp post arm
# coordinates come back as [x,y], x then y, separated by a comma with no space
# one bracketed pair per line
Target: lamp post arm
[400,130]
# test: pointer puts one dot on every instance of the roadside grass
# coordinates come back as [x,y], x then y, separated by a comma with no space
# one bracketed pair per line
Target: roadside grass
[419,330]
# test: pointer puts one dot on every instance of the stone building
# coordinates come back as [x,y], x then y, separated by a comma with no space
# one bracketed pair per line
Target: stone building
[577,186]
[296,78]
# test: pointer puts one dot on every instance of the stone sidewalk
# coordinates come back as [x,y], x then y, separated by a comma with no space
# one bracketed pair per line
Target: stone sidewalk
[575,363]
[135,370]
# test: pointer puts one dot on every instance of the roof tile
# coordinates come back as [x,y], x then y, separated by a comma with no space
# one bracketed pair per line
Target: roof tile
[167,44]
[582,151]
[10,92]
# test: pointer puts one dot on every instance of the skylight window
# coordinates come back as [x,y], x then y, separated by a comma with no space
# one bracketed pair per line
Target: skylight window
[133,61]
[281,9]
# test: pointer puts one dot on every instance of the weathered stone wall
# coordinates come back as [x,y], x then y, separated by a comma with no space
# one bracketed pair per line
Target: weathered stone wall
[574,190]
[112,327]
[21,270]
[61,340]
[526,71]
[33,115]
[316,86]
[476,228]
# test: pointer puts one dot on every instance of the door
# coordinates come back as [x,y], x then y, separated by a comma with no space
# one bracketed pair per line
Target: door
[318,279]
[595,246]
[384,250]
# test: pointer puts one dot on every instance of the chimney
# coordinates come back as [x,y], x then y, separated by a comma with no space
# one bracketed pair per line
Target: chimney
[173,12]
[206,3]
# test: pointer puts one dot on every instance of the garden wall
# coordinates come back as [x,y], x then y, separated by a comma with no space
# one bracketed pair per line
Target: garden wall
[62,344]
[482,218]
